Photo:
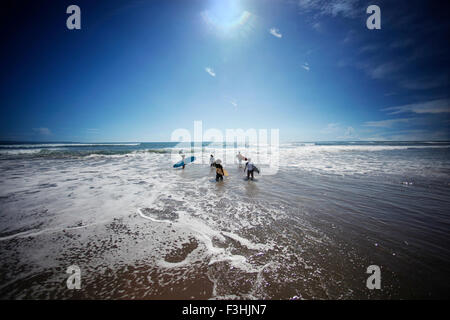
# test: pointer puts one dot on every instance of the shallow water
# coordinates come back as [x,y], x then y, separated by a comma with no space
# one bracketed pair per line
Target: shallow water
[139,229]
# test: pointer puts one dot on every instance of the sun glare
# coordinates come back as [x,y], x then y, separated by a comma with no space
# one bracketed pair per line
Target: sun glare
[227,17]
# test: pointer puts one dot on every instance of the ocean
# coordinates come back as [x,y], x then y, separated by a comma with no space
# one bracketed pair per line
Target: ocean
[139,229]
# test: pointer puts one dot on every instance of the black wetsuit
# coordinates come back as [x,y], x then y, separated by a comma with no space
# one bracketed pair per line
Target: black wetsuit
[249,172]
[218,175]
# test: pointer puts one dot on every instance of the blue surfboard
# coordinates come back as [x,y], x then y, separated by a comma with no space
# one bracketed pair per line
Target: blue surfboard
[186,161]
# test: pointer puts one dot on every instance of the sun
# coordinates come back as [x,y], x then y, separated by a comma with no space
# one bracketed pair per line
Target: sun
[227,17]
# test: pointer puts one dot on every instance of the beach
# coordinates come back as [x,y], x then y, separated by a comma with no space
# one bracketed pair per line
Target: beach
[139,229]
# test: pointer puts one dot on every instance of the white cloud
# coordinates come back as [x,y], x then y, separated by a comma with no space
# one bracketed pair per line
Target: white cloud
[345,8]
[305,66]
[275,32]
[433,106]
[43,131]
[386,123]
[210,71]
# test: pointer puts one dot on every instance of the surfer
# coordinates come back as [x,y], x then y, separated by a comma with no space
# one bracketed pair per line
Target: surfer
[219,170]
[240,157]
[212,161]
[250,167]
[182,158]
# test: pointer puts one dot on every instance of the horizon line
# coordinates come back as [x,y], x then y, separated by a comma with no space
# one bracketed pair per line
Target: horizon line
[131,141]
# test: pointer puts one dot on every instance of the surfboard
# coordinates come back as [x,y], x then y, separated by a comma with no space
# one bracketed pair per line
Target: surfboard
[186,161]
[225,172]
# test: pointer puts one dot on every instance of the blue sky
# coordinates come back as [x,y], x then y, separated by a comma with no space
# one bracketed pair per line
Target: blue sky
[136,71]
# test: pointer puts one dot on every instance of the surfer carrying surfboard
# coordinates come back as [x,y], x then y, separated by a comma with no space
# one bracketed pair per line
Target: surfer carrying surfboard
[182,158]
[219,170]
[240,158]
[250,167]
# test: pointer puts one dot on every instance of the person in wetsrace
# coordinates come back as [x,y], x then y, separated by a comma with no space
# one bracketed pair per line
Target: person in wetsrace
[240,157]
[182,157]
[249,166]
[219,170]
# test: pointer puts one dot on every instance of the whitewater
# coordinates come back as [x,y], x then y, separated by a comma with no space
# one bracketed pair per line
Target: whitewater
[139,229]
